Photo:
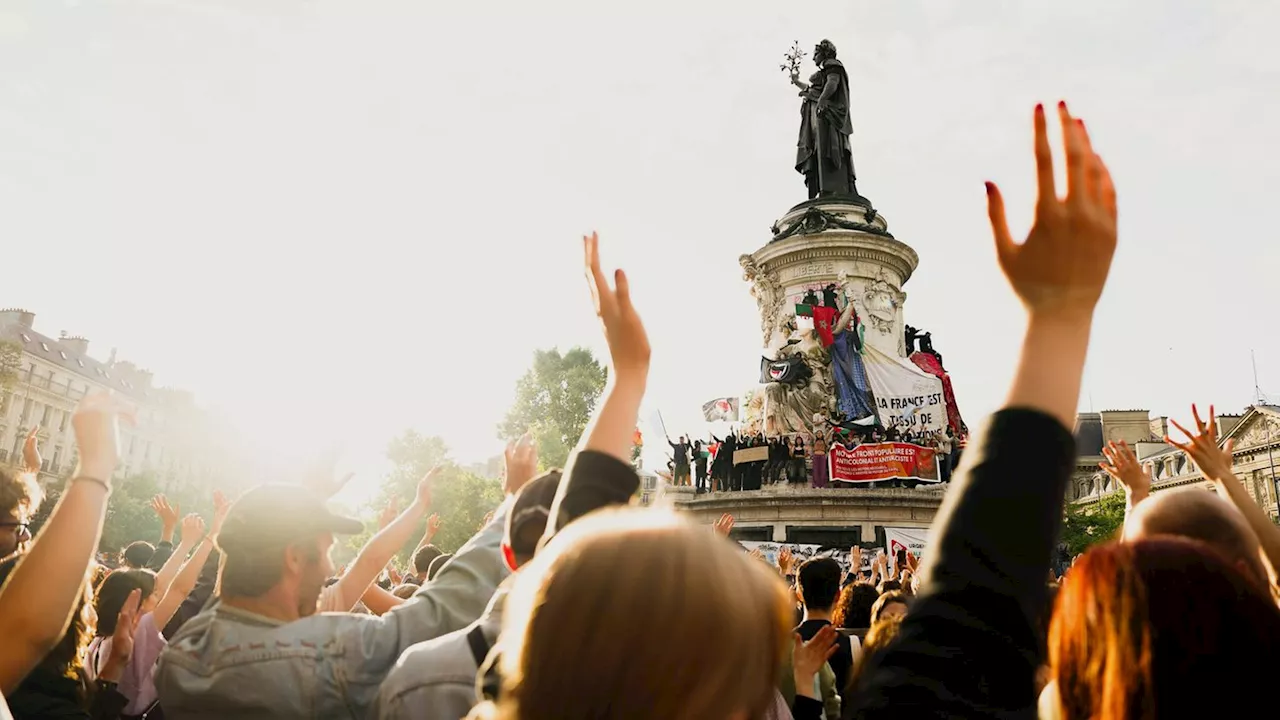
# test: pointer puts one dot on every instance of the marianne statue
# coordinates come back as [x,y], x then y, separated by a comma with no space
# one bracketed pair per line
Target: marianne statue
[822,153]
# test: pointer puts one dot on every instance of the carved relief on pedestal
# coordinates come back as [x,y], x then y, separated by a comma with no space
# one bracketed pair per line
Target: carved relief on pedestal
[768,294]
[882,302]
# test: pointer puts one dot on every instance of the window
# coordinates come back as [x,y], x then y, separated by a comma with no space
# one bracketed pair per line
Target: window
[79,362]
[25,338]
[57,453]
[45,346]
[47,417]
[63,354]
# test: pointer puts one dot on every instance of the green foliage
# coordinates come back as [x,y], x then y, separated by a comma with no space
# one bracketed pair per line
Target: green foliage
[460,497]
[129,514]
[10,363]
[554,399]
[1090,524]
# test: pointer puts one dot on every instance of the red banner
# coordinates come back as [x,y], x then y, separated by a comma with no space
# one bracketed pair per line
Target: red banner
[871,462]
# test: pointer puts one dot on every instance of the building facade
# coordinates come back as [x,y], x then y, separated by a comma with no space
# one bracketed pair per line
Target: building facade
[1255,455]
[173,440]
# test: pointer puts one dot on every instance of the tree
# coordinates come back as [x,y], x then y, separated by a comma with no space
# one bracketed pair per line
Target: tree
[1090,524]
[554,399]
[461,498]
[10,363]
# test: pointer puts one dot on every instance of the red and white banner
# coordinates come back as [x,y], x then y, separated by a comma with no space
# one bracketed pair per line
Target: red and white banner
[913,540]
[871,462]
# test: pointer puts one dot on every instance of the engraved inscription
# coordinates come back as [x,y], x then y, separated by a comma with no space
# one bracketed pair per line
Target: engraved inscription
[810,270]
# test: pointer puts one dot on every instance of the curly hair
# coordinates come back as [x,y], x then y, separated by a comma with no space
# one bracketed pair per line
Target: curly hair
[19,491]
[853,609]
[826,48]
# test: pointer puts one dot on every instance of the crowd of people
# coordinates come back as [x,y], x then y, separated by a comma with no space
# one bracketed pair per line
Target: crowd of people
[569,603]
[792,459]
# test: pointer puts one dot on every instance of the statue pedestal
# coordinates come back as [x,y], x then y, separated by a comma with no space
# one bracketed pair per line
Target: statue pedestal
[825,241]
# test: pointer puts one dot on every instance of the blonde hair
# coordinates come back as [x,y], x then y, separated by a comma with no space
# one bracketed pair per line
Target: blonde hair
[638,614]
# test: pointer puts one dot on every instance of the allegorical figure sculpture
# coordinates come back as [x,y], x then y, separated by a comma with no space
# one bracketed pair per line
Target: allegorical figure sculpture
[822,152]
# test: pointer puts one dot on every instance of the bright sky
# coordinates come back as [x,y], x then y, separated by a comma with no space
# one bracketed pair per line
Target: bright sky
[335,220]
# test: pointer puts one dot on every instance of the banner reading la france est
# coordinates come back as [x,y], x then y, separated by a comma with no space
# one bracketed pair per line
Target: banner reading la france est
[872,462]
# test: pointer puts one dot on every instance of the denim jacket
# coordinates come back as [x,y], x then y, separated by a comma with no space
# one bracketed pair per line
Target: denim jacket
[229,663]
[436,680]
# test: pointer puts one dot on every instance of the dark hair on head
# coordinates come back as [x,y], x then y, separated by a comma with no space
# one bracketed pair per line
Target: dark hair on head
[114,591]
[1141,628]
[886,599]
[137,554]
[405,591]
[66,659]
[423,556]
[889,586]
[437,564]
[819,580]
[826,47]
[853,610]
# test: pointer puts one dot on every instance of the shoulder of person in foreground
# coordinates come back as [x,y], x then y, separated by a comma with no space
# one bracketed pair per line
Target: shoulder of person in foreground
[968,646]
[433,679]
[221,656]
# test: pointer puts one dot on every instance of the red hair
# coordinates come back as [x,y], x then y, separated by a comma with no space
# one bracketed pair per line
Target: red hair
[1141,629]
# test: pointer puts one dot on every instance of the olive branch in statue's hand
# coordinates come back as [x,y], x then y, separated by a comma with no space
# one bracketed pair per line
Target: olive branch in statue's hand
[794,58]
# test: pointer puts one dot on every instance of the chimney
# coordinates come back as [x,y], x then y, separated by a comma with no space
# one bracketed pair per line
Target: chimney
[76,344]
[111,361]
[17,316]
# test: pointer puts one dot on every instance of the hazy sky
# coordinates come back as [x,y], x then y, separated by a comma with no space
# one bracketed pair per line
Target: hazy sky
[337,220]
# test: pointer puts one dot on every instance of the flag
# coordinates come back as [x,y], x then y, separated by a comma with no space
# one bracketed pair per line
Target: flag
[785,370]
[652,422]
[721,409]
[824,321]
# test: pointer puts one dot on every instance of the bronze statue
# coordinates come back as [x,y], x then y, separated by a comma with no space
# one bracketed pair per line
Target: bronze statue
[822,152]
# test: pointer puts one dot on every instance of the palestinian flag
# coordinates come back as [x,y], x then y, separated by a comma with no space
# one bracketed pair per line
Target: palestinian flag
[721,409]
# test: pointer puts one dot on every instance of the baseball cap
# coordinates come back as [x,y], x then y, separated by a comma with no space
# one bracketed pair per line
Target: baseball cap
[529,512]
[274,515]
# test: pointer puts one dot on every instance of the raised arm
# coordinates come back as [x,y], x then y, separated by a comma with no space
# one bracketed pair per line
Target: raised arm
[376,553]
[44,589]
[186,579]
[1215,463]
[600,473]
[1123,465]
[968,646]
[191,533]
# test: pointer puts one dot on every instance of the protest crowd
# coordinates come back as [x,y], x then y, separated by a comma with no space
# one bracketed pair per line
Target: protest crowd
[570,604]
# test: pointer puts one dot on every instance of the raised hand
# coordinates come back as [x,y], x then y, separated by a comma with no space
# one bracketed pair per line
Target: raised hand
[31,460]
[785,560]
[724,525]
[855,559]
[122,639]
[388,514]
[422,498]
[628,342]
[96,423]
[521,459]
[1123,465]
[221,506]
[1202,447]
[1061,268]
[433,526]
[192,529]
[167,513]
[809,657]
